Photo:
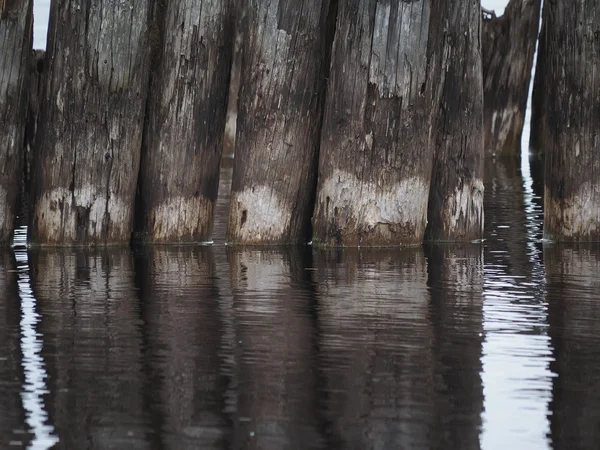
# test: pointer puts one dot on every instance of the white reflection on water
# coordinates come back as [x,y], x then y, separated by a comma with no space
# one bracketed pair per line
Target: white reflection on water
[517,350]
[34,386]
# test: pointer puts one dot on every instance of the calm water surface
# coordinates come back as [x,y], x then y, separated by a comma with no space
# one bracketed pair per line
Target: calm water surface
[450,346]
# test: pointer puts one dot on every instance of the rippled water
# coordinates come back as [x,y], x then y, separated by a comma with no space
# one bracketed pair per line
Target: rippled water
[453,346]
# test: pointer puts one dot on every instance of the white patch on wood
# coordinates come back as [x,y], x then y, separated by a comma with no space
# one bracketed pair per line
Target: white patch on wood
[180,216]
[504,121]
[5,208]
[579,214]
[55,212]
[464,208]
[265,217]
[402,203]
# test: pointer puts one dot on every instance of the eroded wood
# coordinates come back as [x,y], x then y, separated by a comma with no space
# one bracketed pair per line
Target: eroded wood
[284,67]
[508,48]
[375,158]
[179,173]
[571,143]
[455,209]
[15,46]
[87,153]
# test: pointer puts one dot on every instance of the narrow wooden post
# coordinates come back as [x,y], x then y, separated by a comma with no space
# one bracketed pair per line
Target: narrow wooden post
[375,157]
[571,142]
[179,174]
[455,210]
[284,66]
[15,46]
[88,147]
[508,48]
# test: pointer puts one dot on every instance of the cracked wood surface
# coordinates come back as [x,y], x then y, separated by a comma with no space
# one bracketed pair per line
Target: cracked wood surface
[87,149]
[284,66]
[572,105]
[15,44]
[455,210]
[375,158]
[179,173]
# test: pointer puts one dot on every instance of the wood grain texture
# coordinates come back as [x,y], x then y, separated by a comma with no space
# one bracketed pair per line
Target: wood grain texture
[15,46]
[455,209]
[87,153]
[375,158]
[508,49]
[184,131]
[572,142]
[284,66]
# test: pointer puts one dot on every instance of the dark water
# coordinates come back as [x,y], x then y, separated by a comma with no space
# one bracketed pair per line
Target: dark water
[457,346]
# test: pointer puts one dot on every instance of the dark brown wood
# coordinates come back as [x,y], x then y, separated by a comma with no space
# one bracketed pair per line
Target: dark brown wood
[538,108]
[179,173]
[284,66]
[15,45]
[87,153]
[571,142]
[508,47]
[455,209]
[375,158]
[37,61]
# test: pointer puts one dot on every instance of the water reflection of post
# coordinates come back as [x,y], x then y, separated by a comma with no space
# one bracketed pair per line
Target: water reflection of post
[12,415]
[276,376]
[456,285]
[183,341]
[376,348]
[92,346]
[574,317]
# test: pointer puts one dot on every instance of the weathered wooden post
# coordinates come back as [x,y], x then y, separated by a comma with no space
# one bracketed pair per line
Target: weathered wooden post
[508,48]
[179,173]
[284,67]
[15,46]
[571,142]
[455,210]
[375,157]
[87,152]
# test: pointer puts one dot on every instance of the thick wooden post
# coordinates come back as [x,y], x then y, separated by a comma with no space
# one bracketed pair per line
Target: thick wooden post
[571,142]
[15,46]
[508,48]
[375,157]
[179,174]
[455,210]
[89,139]
[284,66]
